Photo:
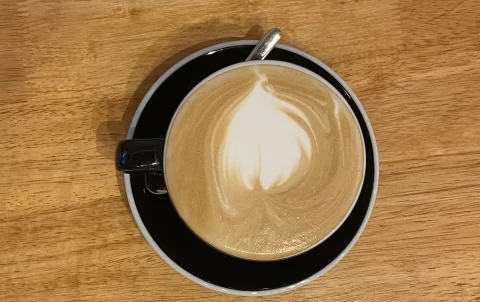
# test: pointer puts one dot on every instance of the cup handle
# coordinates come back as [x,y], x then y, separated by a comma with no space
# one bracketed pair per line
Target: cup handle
[143,156]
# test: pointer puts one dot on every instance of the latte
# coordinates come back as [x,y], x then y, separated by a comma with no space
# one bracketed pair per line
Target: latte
[264,161]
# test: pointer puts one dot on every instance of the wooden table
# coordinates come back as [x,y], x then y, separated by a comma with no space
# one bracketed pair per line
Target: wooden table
[73,72]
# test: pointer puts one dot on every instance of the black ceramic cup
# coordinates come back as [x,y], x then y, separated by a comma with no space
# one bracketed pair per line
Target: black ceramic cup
[141,158]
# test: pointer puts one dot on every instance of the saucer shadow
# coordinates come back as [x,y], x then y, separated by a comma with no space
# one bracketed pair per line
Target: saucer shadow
[109,133]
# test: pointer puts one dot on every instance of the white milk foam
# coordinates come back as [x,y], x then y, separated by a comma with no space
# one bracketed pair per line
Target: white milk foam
[263,143]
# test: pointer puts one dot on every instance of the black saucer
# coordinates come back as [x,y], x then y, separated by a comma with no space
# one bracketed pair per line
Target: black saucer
[176,240]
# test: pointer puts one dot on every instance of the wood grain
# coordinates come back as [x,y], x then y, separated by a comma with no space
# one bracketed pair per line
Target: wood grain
[73,72]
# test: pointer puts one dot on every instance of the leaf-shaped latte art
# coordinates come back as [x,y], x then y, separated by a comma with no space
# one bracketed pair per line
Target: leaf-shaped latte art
[264,143]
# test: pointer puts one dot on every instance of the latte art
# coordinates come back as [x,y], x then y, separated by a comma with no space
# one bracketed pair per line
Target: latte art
[264,145]
[264,161]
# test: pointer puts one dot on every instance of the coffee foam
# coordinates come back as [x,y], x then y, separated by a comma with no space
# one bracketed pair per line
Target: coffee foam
[263,145]
[263,161]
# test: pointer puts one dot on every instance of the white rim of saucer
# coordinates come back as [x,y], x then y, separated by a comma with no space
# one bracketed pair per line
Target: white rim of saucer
[131,201]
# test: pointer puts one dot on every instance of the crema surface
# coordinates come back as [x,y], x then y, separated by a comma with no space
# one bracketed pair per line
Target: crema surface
[264,161]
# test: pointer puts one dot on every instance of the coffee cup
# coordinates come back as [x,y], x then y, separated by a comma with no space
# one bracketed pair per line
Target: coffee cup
[263,161]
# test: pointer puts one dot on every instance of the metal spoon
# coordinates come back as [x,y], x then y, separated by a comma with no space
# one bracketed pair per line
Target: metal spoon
[265,45]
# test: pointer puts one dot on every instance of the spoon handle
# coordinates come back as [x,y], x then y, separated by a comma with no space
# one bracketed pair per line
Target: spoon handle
[265,45]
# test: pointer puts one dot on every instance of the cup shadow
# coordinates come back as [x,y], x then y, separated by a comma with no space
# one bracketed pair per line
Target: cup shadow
[109,133]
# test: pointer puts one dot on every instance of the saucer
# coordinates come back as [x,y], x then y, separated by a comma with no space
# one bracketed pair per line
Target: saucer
[182,249]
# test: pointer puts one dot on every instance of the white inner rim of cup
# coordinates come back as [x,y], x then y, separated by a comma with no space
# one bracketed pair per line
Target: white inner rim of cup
[303,70]
[152,242]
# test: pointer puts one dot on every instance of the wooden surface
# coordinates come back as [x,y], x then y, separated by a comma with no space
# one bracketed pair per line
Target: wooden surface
[73,72]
